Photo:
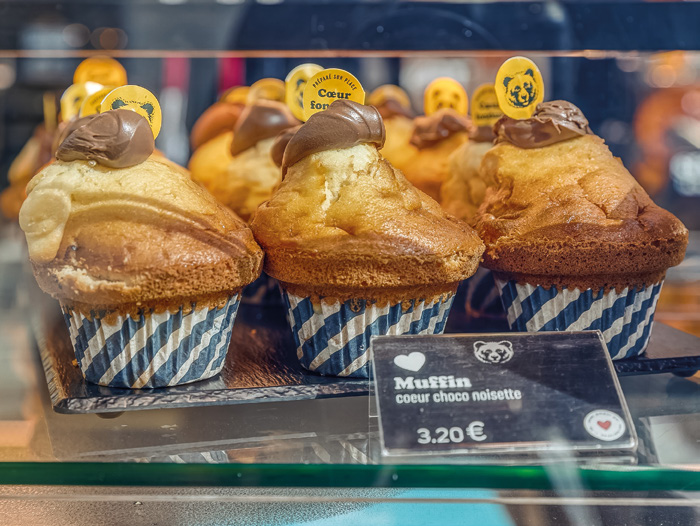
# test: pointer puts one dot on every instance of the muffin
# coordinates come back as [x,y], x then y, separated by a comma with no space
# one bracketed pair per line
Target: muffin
[146,265]
[435,137]
[33,155]
[573,240]
[251,176]
[358,250]
[464,188]
[211,140]
[394,106]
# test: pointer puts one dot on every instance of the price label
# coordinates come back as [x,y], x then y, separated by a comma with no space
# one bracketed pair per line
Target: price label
[519,393]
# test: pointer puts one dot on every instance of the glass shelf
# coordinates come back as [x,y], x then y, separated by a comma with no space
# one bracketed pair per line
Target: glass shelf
[314,443]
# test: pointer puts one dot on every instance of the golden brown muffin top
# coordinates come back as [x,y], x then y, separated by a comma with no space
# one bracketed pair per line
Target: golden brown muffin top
[218,118]
[142,234]
[571,208]
[344,124]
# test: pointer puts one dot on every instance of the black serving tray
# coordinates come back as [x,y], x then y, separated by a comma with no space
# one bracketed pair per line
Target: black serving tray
[261,365]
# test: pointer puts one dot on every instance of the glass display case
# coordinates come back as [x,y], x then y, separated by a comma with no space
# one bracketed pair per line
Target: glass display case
[267,443]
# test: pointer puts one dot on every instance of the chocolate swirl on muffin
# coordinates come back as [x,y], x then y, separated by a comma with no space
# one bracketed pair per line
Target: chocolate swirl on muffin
[115,138]
[432,129]
[261,120]
[552,122]
[343,125]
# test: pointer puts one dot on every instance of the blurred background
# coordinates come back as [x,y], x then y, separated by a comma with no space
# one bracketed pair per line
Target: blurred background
[632,67]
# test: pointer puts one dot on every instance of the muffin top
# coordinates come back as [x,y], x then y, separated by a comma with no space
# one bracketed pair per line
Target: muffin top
[218,118]
[141,234]
[344,217]
[564,210]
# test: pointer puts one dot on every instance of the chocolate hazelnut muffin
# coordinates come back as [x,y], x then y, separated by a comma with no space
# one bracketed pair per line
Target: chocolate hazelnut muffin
[357,249]
[146,265]
[574,241]
[435,137]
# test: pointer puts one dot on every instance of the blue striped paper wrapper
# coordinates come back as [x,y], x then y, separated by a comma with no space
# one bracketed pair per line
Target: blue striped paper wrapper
[625,318]
[478,296]
[153,350]
[334,339]
[264,291]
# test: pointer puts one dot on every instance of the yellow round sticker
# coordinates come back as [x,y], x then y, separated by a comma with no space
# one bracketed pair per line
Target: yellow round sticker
[389,92]
[135,98]
[91,103]
[485,109]
[103,70]
[237,95]
[519,87]
[330,85]
[72,98]
[268,89]
[294,86]
[445,92]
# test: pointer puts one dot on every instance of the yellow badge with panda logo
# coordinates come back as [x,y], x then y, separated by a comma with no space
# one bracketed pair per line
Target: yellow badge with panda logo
[103,70]
[135,98]
[235,95]
[267,89]
[445,92]
[330,85]
[389,92]
[91,103]
[485,108]
[72,99]
[519,87]
[294,86]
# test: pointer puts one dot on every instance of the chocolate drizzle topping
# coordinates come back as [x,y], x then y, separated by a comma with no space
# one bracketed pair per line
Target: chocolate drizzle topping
[393,108]
[482,134]
[280,144]
[261,120]
[115,138]
[552,122]
[429,130]
[343,125]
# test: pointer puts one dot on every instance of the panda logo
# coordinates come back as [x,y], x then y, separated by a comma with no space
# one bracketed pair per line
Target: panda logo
[147,107]
[493,352]
[521,89]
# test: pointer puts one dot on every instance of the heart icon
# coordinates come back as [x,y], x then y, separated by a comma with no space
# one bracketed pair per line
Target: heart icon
[605,425]
[411,362]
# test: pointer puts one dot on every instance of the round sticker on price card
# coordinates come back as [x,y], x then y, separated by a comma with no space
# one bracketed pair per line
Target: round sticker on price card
[91,104]
[103,70]
[266,89]
[135,98]
[294,86]
[72,99]
[237,95]
[389,92]
[519,87]
[485,108]
[329,85]
[445,92]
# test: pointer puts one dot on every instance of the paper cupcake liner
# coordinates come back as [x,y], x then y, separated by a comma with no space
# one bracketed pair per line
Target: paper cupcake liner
[334,340]
[478,296]
[624,318]
[153,350]
[264,291]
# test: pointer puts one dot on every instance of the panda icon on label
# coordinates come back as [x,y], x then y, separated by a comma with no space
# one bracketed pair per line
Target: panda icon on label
[493,353]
